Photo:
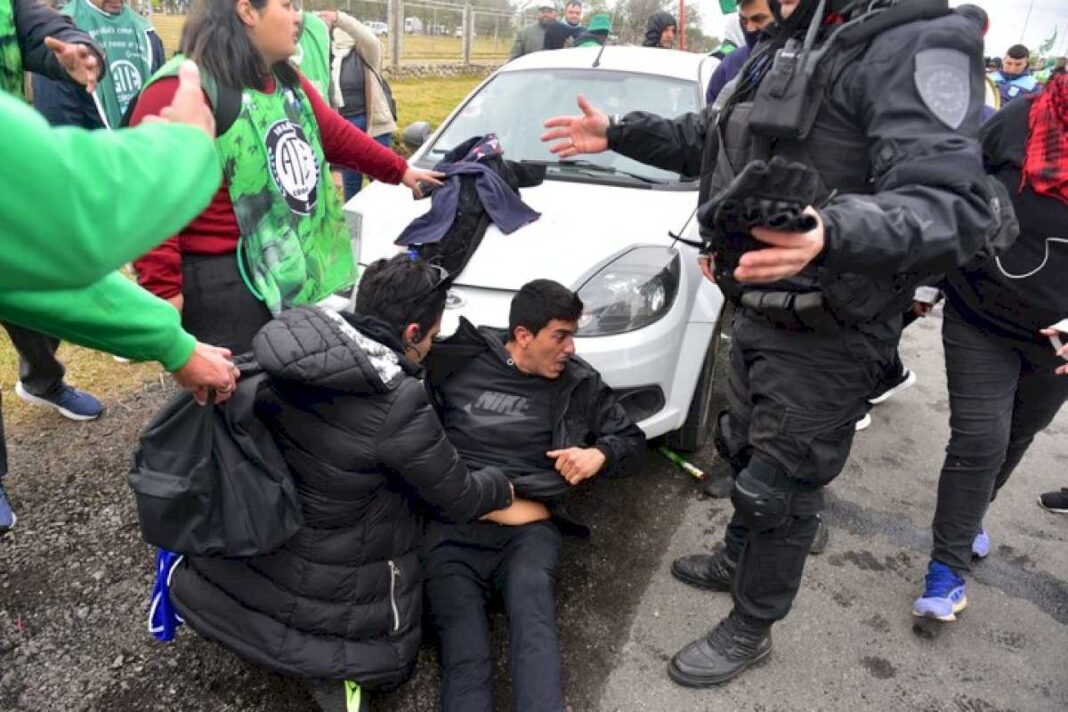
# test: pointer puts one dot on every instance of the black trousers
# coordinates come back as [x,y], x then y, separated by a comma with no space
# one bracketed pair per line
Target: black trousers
[465,564]
[218,307]
[794,399]
[1002,392]
[40,372]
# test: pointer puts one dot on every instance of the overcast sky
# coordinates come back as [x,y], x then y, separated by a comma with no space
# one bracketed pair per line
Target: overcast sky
[1006,22]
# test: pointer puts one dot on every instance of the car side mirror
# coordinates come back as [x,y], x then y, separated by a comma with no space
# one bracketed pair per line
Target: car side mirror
[416,134]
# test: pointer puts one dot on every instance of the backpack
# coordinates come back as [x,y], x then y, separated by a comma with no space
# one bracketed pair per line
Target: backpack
[210,480]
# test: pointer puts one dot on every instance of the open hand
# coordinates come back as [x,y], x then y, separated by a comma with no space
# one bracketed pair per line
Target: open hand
[79,60]
[576,464]
[579,134]
[790,252]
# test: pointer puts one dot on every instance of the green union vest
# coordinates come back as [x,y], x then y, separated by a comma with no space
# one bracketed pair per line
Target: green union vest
[293,235]
[10,56]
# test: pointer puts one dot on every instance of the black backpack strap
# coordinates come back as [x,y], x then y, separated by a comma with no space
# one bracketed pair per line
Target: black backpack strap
[226,109]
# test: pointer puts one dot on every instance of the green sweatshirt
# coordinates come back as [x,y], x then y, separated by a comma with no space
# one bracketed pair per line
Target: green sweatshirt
[77,205]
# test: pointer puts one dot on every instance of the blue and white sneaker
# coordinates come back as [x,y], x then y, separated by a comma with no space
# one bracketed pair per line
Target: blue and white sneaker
[943,598]
[70,402]
[7,517]
[981,544]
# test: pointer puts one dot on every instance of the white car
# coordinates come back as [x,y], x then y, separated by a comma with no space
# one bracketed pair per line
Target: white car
[651,325]
[378,28]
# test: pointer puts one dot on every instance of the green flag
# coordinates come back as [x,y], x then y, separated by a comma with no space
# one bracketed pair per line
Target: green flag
[1048,44]
[728,6]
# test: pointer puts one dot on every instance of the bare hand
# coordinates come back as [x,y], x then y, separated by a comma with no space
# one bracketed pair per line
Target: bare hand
[581,134]
[208,369]
[189,106]
[328,16]
[80,62]
[414,176]
[1062,351]
[177,301]
[521,511]
[576,464]
[789,254]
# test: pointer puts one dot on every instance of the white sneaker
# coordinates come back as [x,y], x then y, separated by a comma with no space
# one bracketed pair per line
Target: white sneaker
[907,380]
[864,422]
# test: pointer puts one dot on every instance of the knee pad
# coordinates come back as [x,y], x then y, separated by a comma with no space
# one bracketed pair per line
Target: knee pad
[721,434]
[762,496]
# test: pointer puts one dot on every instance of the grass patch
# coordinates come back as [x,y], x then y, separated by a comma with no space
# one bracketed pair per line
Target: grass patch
[427,100]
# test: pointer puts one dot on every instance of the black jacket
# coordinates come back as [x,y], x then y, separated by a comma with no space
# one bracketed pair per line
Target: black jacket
[1023,290]
[34,21]
[586,412]
[911,195]
[64,103]
[342,599]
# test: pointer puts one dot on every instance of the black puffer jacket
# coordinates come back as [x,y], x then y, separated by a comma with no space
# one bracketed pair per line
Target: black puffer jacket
[342,599]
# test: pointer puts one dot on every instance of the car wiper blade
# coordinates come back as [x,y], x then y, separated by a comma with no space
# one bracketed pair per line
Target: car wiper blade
[589,167]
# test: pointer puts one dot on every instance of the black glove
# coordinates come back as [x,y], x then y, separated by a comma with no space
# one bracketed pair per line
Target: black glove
[772,195]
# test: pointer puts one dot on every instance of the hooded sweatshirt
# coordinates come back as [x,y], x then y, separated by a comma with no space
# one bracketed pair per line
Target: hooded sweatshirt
[659,22]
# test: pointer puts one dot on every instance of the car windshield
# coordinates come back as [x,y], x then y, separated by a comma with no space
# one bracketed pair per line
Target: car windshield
[514,105]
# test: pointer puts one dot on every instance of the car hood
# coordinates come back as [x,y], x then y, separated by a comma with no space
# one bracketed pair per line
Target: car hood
[581,225]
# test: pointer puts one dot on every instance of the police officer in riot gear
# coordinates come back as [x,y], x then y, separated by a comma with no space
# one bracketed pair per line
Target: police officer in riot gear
[872,109]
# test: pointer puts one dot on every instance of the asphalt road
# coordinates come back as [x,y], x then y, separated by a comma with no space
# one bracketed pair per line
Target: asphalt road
[74,580]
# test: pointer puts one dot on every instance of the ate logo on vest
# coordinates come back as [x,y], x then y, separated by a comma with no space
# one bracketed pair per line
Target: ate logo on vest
[127,80]
[293,166]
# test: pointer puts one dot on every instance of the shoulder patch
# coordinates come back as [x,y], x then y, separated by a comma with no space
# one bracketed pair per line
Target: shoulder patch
[943,81]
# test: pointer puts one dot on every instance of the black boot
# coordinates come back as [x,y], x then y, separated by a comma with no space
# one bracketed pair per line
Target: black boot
[724,653]
[714,572]
[720,480]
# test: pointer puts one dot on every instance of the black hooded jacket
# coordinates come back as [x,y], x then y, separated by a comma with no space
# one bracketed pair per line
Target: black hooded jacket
[584,411]
[659,22]
[342,599]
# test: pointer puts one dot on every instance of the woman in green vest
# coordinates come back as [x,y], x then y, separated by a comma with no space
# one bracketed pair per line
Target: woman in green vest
[273,237]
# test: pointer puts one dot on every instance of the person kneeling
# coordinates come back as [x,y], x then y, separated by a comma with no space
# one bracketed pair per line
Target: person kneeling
[521,401]
[342,599]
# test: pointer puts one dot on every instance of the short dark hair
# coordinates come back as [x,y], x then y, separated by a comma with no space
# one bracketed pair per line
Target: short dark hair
[401,291]
[1018,51]
[215,38]
[573,2]
[539,302]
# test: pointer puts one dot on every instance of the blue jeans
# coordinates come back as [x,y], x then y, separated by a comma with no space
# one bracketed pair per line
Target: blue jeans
[353,180]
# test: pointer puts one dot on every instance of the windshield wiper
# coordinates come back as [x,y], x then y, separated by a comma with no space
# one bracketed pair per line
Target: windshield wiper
[582,165]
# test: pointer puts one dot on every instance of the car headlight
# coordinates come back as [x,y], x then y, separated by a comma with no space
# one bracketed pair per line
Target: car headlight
[630,292]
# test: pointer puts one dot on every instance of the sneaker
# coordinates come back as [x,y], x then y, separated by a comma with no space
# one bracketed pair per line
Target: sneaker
[864,423]
[339,696]
[981,544]
[907,379]
[724,653]
[70,402]
[7,516]
[943,597]
[712,572]
[1055,501]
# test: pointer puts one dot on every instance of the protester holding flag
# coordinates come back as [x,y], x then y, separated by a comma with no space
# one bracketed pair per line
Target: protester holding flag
[273,236]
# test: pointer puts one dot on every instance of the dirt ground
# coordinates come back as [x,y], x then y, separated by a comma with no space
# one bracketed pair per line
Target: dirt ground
[75,579]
